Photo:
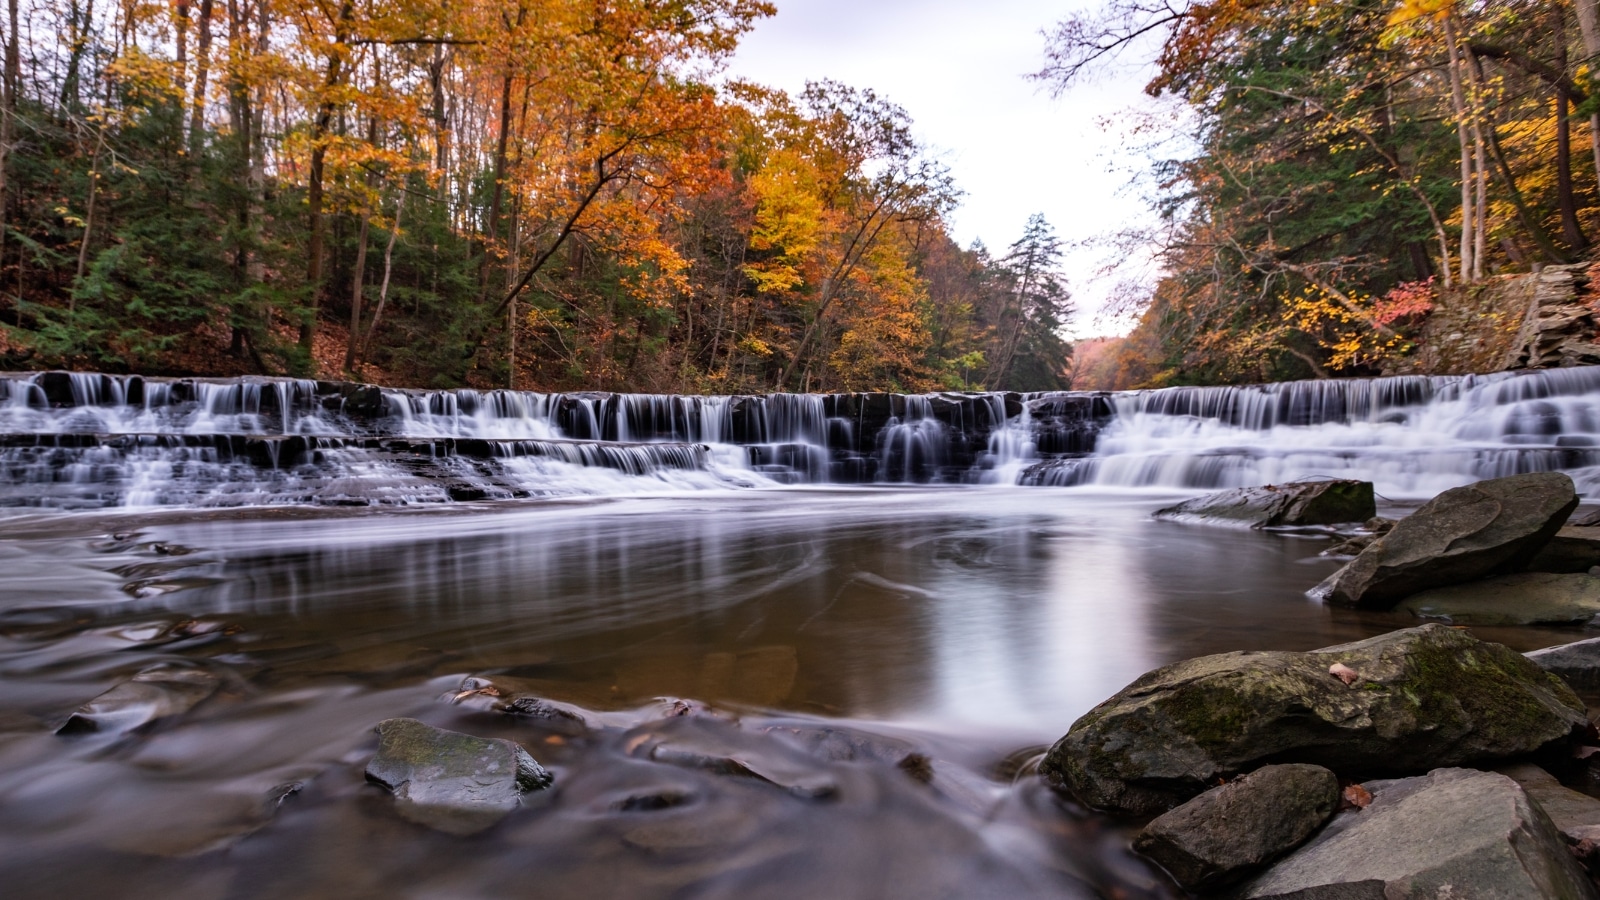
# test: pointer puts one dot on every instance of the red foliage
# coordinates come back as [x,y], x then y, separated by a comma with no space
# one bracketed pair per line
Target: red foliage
[1407,301]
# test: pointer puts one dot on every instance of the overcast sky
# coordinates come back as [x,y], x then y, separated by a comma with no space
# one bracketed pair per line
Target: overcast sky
[958,67]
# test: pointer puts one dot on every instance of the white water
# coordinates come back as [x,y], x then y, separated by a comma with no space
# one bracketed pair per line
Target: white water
[86,440]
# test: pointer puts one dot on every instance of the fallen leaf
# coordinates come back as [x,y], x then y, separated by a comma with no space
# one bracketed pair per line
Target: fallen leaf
[1355,796]
[1344,673]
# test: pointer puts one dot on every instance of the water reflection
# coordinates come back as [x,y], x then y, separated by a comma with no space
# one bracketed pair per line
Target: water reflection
[969,624]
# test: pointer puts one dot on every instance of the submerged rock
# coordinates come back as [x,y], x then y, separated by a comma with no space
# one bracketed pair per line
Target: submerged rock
[521,697]
[1371,530]
[449,781]
[155,693]
[1280,505]
[1489,528]
[718,746]
[1526,598]
[1416,699]
[1228,832]
[1451,833]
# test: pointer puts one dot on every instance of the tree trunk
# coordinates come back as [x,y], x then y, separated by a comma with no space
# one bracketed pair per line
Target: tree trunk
[1568,203]
[1525,215]
[8,115]
[388,269]
[358,277]
[319,155]
[1565,199]
[441,125]
[1589,24]
[78,31]
[180,11]
[88,228]
[491,228]
[1458,102]
[202,63]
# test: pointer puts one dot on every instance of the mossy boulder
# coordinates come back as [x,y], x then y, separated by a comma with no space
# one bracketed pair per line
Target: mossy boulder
[1416,699]
[1280,505]
[1490,528]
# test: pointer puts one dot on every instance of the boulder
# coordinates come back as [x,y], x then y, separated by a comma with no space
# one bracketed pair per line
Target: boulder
[158,692]
[1575,814]
[1231,831]
[1415,699]
[1574,549]
[1280,505]
[452,782]
[1452,833]
[1466,533]
[1526,598]
[1577,663]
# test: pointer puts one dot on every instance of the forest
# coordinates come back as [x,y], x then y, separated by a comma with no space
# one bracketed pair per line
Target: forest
[537,194]
[1344,166]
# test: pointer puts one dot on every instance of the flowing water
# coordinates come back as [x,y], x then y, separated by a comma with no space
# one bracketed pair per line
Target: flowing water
[839,583]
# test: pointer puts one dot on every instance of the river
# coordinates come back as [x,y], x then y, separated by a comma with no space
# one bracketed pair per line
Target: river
[832,631]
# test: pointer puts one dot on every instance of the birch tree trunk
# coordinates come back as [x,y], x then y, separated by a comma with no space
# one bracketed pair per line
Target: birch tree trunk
[1458,102]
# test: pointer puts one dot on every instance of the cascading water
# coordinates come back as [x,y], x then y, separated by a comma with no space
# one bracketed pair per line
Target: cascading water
[86,441]
[1411,436]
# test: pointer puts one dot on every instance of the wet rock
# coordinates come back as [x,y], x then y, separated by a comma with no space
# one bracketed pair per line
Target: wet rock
[520,697]
[1278,505]
[155,693]
[721,747]
[1423,697]
[453,782]
[1577,663]
[1526,598]
[1231,831]
[1490,528]
[1573,549]
[1451,833]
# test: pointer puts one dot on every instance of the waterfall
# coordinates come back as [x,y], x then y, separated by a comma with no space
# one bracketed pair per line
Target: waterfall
[84,440]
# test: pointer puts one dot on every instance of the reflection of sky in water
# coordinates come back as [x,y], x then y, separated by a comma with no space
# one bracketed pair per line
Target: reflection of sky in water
[1012,610]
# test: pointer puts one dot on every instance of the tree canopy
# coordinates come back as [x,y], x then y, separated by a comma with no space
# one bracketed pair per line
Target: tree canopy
[1354,159]
[554,194]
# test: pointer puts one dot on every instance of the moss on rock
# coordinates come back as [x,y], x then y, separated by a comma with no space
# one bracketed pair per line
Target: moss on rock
[1425,697]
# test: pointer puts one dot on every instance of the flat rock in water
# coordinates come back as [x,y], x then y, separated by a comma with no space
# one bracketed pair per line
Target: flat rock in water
[155,693]
[1417,699]
[1575,548]
[1578,663]
[450,781]
[1490,528]
[1526,598]
[1231,831]
[1453,833]
[1280,505]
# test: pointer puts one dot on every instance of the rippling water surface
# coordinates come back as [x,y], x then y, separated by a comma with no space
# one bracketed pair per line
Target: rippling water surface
[971,626]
